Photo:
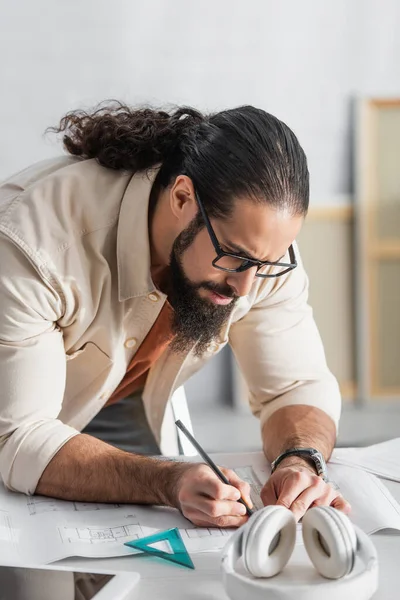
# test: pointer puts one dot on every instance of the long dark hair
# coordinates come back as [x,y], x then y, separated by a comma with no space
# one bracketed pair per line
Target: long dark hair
[240,152]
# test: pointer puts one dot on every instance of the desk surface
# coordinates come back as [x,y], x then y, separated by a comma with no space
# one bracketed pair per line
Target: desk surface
[170,581]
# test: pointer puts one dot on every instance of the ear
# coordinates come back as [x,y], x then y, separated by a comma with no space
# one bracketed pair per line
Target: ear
[182,200]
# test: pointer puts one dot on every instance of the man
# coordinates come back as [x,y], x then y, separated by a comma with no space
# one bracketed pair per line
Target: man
[123,269]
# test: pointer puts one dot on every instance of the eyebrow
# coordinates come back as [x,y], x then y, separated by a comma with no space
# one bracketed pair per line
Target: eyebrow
[239,250]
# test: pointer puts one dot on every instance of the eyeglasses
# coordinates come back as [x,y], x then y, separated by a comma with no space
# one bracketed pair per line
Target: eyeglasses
[234,263]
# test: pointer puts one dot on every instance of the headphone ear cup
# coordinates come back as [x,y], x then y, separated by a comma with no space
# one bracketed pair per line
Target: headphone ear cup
[268,541]
[330,541]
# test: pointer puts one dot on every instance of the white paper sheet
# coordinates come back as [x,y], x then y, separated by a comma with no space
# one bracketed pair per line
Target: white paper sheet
[55,529]
[380,459]
[38,530]
[249,474]
[8,539]
[373,506]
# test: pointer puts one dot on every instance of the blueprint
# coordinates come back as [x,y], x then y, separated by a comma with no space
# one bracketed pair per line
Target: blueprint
[9,540]
[6,531]
[54,529]
[41,504]
[37,530]
[247,473]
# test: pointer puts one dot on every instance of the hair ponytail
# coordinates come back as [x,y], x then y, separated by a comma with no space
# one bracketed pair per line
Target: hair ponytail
[241,152]
[125,138]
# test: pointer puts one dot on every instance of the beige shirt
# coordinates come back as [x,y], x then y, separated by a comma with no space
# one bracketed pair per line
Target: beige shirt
[77,300]
[154,344]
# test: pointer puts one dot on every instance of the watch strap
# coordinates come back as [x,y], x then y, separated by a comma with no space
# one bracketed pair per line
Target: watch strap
[311,453]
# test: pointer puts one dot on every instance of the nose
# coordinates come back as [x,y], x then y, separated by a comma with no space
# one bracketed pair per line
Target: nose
[241,283]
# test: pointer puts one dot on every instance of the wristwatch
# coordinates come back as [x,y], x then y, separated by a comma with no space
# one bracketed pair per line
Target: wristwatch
[311,453]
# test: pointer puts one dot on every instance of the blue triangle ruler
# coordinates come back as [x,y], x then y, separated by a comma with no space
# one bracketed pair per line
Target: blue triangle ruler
[180,554]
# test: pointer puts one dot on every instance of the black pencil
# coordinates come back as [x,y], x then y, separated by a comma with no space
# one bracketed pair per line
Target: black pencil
[209,461]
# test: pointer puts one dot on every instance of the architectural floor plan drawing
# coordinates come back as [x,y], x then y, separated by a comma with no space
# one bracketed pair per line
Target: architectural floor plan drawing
[9,539]
[6,530]
[40,504]
[201,532]
[47,529]
[248,474]
[37,530]
[96,535]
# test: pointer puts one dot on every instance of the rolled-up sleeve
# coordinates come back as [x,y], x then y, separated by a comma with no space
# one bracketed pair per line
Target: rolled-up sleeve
[280,352]
[32,371]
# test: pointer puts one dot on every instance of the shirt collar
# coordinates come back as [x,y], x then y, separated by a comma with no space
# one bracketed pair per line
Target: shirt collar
[133,243]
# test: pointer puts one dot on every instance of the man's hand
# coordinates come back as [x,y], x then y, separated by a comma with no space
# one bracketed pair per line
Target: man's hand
[296,485]
[206,501]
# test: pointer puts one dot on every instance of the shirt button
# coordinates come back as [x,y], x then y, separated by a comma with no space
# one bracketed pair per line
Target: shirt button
[130,343]
[153,297]
[105,395]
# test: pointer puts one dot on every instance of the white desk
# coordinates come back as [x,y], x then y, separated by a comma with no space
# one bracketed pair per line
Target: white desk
[163,581]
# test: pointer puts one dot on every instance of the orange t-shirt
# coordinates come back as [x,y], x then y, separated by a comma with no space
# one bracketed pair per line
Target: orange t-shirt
[154,344]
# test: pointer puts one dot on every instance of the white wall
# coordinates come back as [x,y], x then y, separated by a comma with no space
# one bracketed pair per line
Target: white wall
[303,60]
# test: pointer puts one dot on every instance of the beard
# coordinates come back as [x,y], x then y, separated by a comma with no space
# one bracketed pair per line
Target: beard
[196,319]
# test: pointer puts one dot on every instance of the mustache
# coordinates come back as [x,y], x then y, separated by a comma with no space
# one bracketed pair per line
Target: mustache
[223,290]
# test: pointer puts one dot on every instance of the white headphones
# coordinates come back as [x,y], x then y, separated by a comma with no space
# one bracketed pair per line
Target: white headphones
[335,546]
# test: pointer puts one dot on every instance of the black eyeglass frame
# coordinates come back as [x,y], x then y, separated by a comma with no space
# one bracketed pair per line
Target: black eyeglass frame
[252,262]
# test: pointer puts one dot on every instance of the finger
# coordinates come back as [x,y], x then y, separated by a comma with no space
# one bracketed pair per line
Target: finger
[324,500]
[218,508]
[293,485]
[268,493]
[238,483]
[210,485]
[312,496]
[201,520]
[341,504]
